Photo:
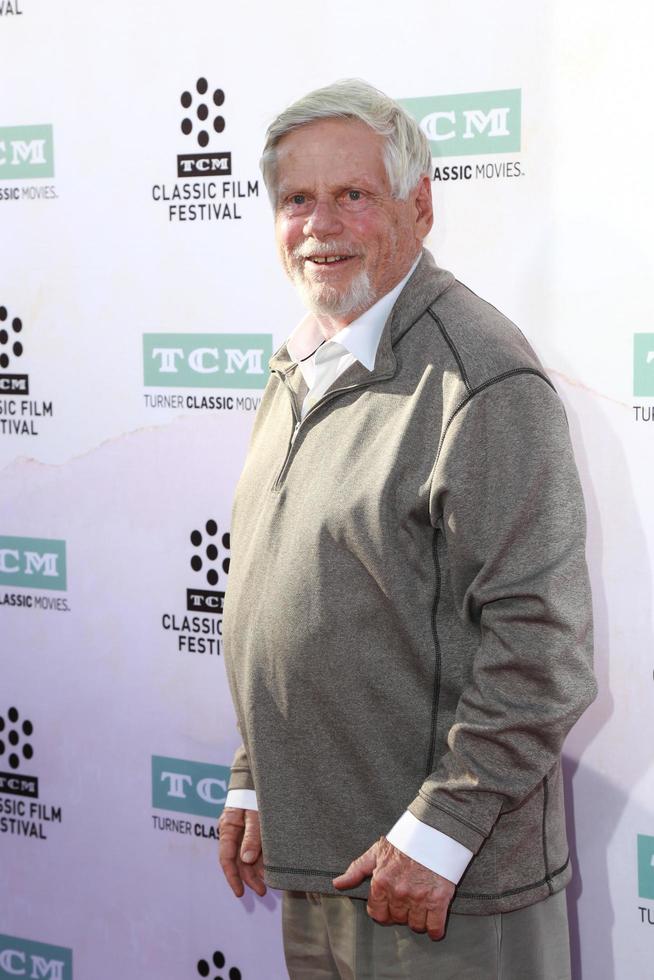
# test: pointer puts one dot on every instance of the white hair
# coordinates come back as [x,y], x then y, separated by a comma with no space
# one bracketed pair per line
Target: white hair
[407,156]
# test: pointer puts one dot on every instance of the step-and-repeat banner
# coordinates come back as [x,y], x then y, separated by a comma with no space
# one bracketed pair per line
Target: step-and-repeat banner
[140,300]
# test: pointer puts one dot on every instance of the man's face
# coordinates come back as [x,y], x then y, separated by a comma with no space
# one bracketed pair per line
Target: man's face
[343,239]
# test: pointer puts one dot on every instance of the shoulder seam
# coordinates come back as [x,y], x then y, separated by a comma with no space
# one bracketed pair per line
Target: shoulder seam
[482,387]
[450,343]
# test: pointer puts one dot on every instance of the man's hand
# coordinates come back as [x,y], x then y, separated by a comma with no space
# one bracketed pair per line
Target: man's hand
[401,891]
[239,850]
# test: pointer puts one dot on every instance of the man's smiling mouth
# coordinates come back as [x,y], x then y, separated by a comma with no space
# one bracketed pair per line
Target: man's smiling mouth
[328,259]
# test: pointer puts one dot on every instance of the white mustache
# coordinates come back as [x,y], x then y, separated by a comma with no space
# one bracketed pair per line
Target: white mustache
[306,250]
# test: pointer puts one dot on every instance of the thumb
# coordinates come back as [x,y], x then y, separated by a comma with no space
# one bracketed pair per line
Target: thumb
[361,868]
[251,844]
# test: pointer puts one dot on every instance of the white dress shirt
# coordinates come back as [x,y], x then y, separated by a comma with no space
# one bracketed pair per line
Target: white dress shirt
[321,362]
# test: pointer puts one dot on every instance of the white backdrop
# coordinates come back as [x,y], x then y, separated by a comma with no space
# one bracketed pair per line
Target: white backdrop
[115,722]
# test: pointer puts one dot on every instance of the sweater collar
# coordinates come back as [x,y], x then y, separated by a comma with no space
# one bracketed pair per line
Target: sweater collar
[360,338]
[424,285]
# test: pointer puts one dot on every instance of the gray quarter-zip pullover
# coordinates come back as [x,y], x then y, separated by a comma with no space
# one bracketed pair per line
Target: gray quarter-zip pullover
[407,622]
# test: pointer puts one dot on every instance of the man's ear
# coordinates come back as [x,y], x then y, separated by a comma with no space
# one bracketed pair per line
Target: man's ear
[424,208]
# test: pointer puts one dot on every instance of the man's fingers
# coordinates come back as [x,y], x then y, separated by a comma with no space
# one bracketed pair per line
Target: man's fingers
[417,919]
[398,913]
[402,891]
[239,835]
[231,816]
[251,846]
[230,831]
[379,912]
[229,839]
[252,875]
[377,906]
[360,869]
[399,895]
[230,870]
[436,922]
[228,844]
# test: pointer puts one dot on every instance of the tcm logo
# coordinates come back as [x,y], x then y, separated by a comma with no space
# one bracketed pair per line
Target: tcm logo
[188,787]
[200,120]
[26,152]
[33,563]
[11,348]
[208,562]
[645,866]
[644,364]
[207,360]
[477,122]
[16,747]
[38,961]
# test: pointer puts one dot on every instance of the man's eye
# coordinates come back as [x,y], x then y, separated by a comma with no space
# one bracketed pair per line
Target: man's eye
[297,199]
[354,195]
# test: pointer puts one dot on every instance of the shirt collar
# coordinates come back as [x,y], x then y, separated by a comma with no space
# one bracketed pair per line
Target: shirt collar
[360,338]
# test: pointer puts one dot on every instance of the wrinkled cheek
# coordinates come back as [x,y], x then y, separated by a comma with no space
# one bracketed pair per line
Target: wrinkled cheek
[292,266]
[286,242]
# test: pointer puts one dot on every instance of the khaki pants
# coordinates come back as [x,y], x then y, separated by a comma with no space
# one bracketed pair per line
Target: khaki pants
[332,937]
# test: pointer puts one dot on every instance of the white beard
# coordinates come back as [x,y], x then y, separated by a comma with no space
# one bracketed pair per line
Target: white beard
[321,298]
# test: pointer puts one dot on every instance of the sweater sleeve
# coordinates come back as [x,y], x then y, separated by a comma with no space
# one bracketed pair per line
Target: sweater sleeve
[241,775]
[505,494]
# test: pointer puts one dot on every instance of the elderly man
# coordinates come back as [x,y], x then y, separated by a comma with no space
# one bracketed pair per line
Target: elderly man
[407,626]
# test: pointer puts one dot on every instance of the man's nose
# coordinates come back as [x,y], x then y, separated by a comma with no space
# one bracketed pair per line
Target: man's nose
[324,220]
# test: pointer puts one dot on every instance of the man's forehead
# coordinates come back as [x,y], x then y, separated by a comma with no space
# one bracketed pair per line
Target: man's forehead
[336,148]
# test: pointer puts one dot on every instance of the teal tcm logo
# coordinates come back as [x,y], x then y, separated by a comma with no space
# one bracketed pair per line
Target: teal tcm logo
[645,866]
[644,364]
[476,122]
[206,360]
[189,787]
[33,563]
[26,958]
[26,152]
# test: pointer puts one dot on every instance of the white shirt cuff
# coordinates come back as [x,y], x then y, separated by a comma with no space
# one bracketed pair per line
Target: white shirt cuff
[429,847]
[243,799]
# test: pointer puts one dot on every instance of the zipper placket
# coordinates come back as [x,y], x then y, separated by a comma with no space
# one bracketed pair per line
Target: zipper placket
[299,422]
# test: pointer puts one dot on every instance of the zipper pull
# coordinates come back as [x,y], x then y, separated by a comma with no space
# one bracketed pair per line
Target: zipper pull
[295,432]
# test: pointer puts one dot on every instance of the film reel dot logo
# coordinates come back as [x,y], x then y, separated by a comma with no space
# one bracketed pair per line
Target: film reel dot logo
[13,732]
[217,962]
[10,345]
[207,556]
[199,106]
